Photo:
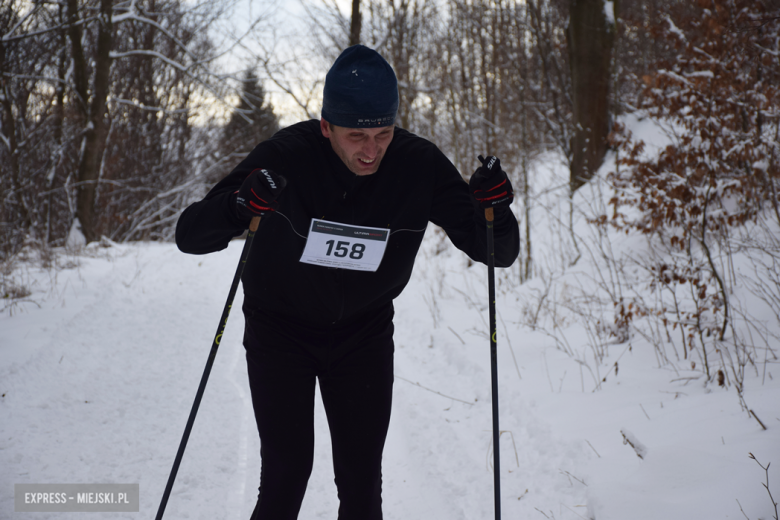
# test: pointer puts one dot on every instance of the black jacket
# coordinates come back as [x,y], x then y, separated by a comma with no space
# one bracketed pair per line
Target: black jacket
[415,184]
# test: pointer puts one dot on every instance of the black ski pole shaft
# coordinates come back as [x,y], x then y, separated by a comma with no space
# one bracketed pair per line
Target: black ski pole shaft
[493,360]
[212,355]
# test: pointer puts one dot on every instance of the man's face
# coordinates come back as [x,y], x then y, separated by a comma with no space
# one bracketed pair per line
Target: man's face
[361,149]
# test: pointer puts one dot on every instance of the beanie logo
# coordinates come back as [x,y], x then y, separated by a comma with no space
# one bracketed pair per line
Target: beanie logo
[376,121]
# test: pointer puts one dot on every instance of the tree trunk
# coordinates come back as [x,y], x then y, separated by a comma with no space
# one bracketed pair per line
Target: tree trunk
[354,27]
[9,129]
[77,53]
[89,163]
[59,121]
[590,37]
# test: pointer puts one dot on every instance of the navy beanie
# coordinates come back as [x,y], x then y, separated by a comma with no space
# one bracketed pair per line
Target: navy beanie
[361,90]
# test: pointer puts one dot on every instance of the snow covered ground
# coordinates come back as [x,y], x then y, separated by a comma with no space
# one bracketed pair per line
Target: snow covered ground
[99,367]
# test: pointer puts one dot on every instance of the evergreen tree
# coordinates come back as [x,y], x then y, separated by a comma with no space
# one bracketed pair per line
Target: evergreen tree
[252,122]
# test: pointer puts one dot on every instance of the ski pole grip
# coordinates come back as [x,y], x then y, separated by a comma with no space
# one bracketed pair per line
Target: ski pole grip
[256,222]
[488,214]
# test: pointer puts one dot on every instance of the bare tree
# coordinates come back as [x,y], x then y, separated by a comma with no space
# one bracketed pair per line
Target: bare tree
[98,115]
[355,24]
[548,83]
[91,89]
[405,32]
[591,36]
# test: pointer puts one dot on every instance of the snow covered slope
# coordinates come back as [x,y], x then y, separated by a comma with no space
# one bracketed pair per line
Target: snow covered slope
[99,368]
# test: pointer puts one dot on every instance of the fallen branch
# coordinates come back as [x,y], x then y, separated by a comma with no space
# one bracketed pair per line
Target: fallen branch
[757,419]
[631,440]
[434,391]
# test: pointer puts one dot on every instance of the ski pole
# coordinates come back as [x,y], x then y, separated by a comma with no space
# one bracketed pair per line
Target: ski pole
[493,360]
[212,355]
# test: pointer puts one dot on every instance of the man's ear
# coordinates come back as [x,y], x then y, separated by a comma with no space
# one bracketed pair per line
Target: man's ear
[325,128]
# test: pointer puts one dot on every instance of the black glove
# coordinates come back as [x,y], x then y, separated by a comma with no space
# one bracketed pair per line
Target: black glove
[490,186]
[259,193]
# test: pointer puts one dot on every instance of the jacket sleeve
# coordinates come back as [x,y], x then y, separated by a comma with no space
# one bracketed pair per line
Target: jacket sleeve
[455,210]
[209,225]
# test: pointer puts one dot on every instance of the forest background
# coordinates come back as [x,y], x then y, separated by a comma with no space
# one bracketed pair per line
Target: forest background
[118,113]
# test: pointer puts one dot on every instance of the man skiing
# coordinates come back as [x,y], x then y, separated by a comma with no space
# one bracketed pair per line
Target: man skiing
[344,203]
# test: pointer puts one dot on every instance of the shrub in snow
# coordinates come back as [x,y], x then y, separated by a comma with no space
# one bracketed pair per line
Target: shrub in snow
[712,192]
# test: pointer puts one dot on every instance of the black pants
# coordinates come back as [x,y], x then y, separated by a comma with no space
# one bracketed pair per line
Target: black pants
[354,366]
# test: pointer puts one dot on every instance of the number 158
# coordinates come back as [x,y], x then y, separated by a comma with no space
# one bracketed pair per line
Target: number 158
[342,249]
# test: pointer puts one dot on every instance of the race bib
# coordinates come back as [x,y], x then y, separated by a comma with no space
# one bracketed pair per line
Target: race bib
[332,244]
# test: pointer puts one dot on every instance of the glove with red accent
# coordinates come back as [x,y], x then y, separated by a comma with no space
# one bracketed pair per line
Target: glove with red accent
[259,193]
[490,186]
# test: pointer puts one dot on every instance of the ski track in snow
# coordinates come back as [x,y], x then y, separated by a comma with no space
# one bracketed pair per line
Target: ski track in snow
[98,382]
[105,399]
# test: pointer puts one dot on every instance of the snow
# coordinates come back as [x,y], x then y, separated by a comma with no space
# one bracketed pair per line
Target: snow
[609,12]
[100,364]
[700,74]
[674,29]
[76,239]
